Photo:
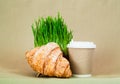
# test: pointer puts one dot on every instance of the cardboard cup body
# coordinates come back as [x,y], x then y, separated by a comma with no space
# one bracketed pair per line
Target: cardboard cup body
[81,60]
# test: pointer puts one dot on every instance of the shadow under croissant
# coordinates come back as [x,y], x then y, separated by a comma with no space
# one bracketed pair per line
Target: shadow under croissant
[40,75]
[45,76]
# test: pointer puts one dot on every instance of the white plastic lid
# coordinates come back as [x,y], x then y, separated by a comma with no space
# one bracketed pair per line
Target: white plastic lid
[81,44]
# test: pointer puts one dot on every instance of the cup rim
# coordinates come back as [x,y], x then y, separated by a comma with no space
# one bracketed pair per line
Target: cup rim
[81,44]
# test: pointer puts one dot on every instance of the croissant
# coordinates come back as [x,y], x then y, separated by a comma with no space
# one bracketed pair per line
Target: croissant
[48,60]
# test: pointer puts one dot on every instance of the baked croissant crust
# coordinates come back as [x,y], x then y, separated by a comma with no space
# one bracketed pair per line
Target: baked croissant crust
[48,60]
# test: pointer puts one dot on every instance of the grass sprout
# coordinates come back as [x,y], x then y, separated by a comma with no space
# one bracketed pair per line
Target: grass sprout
[52,29]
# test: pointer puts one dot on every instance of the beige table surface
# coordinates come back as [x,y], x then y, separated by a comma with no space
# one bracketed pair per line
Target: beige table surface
[8,76]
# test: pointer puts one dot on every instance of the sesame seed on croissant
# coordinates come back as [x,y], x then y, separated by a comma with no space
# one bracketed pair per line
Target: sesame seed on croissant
[48,60]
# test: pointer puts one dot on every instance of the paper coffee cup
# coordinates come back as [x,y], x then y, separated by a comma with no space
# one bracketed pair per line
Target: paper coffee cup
[80,56]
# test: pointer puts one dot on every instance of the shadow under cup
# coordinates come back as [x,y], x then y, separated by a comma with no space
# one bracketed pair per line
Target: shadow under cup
[80,56]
